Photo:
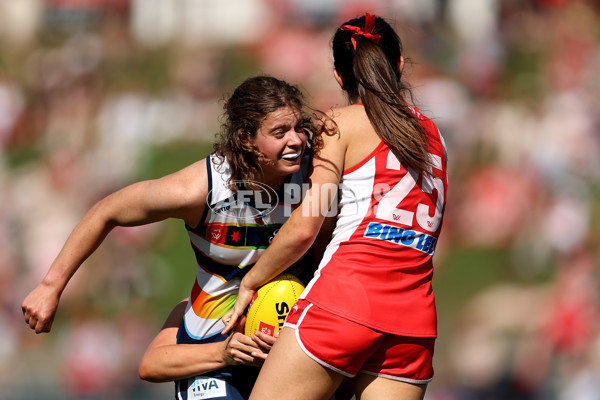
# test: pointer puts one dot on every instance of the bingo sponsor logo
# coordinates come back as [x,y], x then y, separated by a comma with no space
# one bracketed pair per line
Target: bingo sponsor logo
[404,237]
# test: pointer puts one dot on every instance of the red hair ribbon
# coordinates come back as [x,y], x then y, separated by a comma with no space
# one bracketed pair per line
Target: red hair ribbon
[369,22]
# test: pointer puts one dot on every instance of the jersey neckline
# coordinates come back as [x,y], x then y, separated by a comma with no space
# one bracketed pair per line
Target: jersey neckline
[364,160]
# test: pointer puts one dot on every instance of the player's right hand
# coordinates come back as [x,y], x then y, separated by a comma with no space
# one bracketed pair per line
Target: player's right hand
[265,343]
[243,300]
[39,307]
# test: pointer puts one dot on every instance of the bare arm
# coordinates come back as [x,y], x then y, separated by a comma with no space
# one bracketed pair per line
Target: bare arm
[165,360]
[179,195]
[299,232]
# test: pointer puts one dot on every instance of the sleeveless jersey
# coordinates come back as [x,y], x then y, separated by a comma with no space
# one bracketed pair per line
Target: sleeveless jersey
[234,231]
[377,270]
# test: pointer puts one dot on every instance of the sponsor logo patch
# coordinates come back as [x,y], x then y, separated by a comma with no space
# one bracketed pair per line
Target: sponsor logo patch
[205,387]
[403,237]
[266,328]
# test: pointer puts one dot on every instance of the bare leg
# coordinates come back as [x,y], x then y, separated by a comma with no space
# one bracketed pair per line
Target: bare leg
[290,374]
[345,391]
[370,387]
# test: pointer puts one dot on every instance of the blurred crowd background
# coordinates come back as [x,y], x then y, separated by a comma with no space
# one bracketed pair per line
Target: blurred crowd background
[97,94]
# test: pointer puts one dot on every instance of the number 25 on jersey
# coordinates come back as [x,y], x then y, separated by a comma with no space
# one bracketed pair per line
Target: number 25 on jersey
[428,214]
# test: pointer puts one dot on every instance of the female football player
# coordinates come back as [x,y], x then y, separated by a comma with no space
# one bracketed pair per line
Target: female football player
[369,312]
[232,204]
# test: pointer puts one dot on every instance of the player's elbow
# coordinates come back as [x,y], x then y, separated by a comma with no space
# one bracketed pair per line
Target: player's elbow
[148,372]
[305,237]
[102,214]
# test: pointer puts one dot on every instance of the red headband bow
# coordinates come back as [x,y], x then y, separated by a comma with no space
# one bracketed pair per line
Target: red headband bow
[369,22]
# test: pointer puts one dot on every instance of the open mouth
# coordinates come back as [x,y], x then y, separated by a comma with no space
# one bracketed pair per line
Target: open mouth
[292,156]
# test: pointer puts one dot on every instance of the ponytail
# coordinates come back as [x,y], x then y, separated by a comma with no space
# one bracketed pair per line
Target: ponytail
[371,72]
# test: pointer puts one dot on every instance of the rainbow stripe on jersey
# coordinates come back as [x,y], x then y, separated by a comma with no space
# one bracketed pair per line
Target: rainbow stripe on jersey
[226,245]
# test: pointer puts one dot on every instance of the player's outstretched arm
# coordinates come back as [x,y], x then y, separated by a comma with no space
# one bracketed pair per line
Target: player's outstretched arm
[179,195]
[165,360]
[40,305]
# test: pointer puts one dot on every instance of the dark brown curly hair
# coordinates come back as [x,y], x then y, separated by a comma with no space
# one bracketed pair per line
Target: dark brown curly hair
[244,112]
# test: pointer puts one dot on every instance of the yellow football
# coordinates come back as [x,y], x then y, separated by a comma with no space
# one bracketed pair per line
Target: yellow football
[271,303]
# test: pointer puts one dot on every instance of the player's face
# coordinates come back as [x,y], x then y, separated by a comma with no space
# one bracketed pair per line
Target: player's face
[282,140]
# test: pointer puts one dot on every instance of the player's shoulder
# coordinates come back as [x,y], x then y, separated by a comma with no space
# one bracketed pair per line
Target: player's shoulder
[195,171]
[347,114]
[190,182]
[350,120]
[422,116]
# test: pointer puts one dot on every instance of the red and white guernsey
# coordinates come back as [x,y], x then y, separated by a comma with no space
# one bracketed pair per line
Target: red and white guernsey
[377,270]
